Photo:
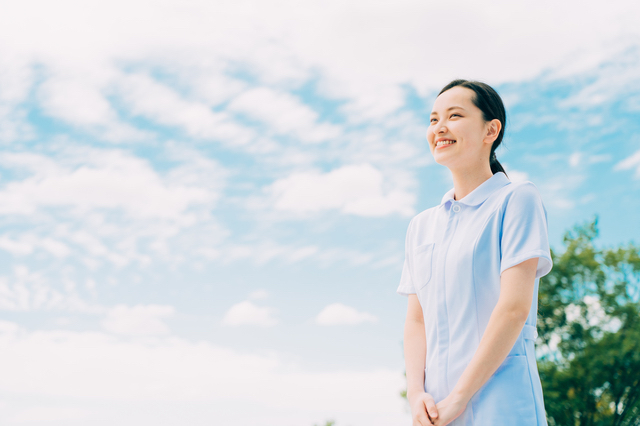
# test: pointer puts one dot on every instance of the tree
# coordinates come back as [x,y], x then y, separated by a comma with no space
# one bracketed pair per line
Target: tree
[589,333]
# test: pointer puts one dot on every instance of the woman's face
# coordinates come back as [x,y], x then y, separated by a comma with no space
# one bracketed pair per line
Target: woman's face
[457,133]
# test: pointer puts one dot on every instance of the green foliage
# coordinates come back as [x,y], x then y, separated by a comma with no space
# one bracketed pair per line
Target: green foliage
[403,392]
[589,325]
[328,423]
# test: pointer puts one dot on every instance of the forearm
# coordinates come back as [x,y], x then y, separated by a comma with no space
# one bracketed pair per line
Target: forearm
[415,351]
[505,324]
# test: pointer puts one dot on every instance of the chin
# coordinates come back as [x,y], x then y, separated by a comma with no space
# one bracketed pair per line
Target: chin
[441,161]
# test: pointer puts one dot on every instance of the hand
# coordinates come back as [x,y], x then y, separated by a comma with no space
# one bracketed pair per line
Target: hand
[423,409]
[449,408]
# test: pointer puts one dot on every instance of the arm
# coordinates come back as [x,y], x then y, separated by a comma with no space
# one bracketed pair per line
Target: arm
[415,352]
[505,324]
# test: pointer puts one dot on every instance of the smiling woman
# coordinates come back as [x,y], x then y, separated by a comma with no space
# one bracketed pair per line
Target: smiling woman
[488,106]
[471,273]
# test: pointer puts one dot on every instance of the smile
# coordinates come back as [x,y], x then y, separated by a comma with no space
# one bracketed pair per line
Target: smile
[444,143]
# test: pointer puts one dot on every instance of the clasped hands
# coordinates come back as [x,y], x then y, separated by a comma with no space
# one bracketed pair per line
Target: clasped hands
[425,412]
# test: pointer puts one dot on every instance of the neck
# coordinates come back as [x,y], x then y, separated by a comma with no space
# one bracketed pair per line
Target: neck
[465,181]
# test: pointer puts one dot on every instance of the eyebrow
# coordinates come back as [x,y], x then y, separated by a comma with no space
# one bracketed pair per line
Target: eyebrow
[449,109]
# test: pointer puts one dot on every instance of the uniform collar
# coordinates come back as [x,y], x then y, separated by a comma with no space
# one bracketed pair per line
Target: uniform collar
[481,193]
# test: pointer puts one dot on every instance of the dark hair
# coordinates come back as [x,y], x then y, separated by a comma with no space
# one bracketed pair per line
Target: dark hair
[490,103]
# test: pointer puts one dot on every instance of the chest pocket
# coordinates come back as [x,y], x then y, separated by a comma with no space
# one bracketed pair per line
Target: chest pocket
[423,264]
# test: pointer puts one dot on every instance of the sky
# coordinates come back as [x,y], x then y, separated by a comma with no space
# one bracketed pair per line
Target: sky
[203,204]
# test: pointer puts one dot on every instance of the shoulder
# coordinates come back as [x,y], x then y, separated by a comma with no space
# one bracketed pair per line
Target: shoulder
[517,192]
[523,200]
[424,216]
[521,192]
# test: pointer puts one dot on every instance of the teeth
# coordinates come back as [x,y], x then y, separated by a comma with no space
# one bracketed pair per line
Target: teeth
[449,142]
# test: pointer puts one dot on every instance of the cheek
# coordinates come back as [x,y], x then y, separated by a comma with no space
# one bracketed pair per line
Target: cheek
[462,133]
[430,134]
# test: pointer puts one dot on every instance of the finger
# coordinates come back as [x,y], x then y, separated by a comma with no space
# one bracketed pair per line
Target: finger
[432,410]
[423,420]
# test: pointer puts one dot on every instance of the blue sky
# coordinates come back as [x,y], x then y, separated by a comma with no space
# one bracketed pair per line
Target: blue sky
[203,205]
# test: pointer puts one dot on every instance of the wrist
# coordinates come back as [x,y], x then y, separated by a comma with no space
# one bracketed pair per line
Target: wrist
[413,393]
[460,396]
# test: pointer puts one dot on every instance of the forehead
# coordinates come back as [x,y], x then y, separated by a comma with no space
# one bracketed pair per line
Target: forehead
[457,96]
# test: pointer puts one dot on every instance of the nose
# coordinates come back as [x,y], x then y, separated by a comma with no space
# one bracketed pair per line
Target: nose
[439,127]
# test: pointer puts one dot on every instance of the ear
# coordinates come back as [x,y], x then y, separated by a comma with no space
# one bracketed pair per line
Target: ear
[493,130]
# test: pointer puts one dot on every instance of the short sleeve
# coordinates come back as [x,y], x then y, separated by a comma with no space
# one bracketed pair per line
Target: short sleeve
[406,286]
[524,230]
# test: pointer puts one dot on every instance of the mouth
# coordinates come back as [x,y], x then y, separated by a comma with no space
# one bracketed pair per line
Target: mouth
[444,143]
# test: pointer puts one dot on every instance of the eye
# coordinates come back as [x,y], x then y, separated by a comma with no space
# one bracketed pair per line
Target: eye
[455,115]
[433,120]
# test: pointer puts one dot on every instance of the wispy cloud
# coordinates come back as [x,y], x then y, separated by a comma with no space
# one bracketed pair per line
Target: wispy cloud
[82,103]
[284,113]
[110,205]
[31,290]
[26,243]
[631,162]
[146,97]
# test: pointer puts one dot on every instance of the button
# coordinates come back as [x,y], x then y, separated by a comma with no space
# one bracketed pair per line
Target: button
[456,208]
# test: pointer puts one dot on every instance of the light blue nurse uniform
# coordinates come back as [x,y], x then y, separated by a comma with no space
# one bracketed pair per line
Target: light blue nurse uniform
[455,253]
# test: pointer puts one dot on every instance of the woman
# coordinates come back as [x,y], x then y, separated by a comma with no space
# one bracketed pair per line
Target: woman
[471,274]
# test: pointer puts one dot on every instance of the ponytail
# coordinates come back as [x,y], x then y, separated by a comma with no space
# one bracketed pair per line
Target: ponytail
[495,164]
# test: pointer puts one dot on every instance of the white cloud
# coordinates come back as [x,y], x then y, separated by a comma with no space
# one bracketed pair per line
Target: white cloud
[206,80]
[103,179]
[609,80]
[263,252]
[247,313]
[631,162]
[285,113]
[80,102]
[48,414]
[25,289]
[26,243]
[149,98]
[16,78]
[56,248]
[558,192]
[574,159]
[106,205]
[79,370]
[353,189]
[360,54]
[577,159]
[301,253]
[15,247]
[139,320]
[339,314]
